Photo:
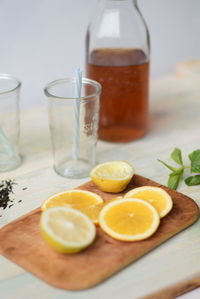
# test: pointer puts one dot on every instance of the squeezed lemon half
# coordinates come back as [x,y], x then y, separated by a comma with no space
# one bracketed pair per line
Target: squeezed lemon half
[112,176]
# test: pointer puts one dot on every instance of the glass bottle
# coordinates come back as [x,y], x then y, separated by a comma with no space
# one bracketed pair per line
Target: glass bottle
[117,56]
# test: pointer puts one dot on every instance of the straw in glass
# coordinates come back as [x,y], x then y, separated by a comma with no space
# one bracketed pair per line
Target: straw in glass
[76,112]
[6,143]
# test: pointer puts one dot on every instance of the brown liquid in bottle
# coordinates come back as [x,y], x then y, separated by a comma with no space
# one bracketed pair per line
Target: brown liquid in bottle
[124,76]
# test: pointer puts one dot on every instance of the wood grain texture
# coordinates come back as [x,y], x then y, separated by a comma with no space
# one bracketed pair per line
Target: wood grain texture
[20,241]
[177,289]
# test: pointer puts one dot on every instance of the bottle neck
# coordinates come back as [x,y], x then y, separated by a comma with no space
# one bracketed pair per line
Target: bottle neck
[118,3]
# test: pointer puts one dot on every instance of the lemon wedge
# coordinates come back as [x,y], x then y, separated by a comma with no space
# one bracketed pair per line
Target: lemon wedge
[66,230]
[129,219]
[112,176]
[156,196]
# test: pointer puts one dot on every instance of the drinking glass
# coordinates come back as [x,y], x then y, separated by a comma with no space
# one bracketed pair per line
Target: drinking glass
[9,122]
[73,124]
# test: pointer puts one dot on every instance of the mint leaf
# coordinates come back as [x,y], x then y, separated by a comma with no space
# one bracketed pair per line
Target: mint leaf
[195,161]
[174,179]
[193,180]
[177,156]
[179,170]
[168,166]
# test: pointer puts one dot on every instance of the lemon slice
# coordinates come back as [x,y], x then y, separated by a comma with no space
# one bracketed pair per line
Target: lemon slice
[72,198]
[112,176]
[156,196]
[129,219]
[66,230]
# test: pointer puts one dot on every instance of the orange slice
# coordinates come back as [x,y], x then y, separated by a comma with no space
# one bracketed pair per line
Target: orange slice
[156,196]
[92,211]
[82,200]
[129,219]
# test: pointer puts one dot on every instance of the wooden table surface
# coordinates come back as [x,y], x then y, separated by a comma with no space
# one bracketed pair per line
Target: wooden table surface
[170,269]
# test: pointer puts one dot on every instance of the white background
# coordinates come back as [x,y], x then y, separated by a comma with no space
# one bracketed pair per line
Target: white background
[43,40]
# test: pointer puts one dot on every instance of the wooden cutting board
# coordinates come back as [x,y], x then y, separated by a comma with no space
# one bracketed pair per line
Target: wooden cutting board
[20,241]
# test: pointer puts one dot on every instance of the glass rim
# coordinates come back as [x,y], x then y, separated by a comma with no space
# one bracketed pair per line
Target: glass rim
[72,80]
[10,77]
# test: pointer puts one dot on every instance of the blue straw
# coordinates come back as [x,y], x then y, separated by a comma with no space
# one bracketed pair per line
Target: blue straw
[6,143]
[76,112]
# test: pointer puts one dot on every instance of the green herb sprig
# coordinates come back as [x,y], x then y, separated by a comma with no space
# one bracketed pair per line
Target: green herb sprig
[177,173]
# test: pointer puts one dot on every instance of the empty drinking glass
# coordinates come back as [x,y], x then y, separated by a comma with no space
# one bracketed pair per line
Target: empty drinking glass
[9,122]
[73,125]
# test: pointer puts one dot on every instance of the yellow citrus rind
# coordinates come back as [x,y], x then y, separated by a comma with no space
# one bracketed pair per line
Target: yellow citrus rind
[92,211]
[129,219]
[66,230]
[156,196]
[76,198]
[113,176]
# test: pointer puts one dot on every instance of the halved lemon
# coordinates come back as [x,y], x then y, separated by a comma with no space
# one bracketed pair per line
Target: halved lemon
[129,219]
[72,198]
[66,230]
[156,196]
[112,176]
